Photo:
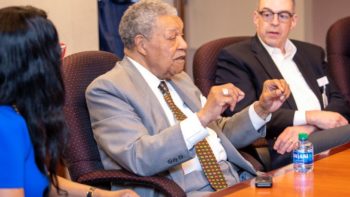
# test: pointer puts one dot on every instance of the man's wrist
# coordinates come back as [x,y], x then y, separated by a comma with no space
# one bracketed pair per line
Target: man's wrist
[309,129]
[263,113]
[203,119]
[310,117]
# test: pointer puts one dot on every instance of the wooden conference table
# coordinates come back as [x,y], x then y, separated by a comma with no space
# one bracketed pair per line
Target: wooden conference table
[330,177]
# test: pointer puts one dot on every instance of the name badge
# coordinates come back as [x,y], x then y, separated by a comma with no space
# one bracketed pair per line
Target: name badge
[322,81]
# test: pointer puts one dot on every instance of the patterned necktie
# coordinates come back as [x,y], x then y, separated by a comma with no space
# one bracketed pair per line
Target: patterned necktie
[206,156]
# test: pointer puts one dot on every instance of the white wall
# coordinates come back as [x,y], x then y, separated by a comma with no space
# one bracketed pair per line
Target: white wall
[75,20]
[205,20]
[323,14]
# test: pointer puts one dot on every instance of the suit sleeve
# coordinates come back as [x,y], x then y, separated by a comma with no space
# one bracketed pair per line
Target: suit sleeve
[240,130]
[234,69]
[121,133]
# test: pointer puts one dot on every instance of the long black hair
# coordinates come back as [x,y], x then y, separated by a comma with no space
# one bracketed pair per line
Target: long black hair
[30,79]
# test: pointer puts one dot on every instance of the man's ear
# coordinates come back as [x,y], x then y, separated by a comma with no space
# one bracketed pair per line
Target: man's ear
[256,18]
[140,44]
[294,21]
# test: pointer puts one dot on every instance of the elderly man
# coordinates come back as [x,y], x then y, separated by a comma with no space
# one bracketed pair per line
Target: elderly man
[150,119]
[315,103]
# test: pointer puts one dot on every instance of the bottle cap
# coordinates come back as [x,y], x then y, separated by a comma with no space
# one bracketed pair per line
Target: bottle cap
[303,136]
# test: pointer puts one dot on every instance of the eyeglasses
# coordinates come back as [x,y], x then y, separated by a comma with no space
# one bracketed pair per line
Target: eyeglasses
[268,15]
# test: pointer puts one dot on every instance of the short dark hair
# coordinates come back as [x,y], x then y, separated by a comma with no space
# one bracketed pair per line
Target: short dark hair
[30,79]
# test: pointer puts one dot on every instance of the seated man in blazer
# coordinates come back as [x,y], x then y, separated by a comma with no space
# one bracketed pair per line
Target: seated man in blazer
[150,119]
[315,103]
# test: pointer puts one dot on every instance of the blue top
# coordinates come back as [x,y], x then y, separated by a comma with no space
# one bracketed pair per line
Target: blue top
[17,163]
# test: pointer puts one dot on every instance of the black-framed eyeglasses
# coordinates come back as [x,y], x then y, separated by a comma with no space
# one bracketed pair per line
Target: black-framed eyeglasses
[268,15]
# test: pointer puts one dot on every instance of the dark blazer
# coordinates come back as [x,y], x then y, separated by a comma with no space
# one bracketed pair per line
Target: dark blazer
[247,65]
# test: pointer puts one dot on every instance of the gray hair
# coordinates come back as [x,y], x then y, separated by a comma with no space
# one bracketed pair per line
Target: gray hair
[140,18]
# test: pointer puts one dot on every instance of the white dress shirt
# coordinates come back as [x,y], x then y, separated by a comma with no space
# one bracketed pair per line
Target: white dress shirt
[191,128]
[304,97]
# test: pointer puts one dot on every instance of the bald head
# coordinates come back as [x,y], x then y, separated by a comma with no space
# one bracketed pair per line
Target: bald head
[262,2]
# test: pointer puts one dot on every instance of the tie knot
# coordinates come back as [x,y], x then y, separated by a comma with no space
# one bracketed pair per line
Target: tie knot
[163,87]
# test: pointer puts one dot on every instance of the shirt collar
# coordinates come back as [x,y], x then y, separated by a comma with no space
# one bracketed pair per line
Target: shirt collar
[289,47]
[149,77]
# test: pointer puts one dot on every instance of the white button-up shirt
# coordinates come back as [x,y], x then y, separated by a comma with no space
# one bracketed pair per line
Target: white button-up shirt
[304,97]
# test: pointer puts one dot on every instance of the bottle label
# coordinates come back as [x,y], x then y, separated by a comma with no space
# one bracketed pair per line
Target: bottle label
[303,157]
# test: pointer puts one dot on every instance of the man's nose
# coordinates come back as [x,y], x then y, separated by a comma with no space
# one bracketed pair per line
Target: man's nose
[182,43]
[275,19]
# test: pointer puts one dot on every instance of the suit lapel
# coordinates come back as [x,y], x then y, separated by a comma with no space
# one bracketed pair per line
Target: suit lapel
[187,95]
[144,95]
[269,65]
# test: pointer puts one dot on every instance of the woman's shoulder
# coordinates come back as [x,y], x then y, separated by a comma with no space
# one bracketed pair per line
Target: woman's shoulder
[11,123]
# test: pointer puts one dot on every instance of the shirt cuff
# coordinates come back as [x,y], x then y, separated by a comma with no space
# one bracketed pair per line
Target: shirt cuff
[299,118]
[192,130]
[257,121]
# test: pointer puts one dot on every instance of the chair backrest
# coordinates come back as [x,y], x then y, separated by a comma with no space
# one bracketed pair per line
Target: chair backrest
[205,58]
[79,70]
[338,54]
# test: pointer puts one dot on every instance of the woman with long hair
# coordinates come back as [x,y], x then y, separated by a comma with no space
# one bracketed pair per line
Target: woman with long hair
[32,128]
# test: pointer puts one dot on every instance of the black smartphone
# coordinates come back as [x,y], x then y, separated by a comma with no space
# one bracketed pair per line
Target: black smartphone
[263,181]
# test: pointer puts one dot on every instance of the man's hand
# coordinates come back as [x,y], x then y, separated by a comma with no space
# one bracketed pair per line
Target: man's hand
[219,99]
[325,119]
[288,139]
[274,93]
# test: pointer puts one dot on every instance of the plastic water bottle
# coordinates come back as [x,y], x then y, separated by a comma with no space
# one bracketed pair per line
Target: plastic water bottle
[303,155]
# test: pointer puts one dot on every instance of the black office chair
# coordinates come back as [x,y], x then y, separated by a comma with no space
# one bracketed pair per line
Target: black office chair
[338,54]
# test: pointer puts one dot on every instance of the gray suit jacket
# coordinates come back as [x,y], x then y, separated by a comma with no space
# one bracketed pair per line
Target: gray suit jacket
[132,132]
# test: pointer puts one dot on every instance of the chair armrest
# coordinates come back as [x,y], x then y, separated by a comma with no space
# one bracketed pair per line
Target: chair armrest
[260,142]
[261,146]
[122,177]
